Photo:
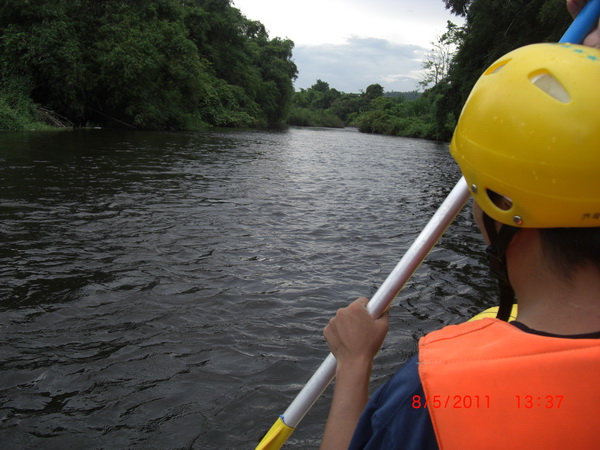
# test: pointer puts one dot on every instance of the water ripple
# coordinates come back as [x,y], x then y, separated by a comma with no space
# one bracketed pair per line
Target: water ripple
[168,290]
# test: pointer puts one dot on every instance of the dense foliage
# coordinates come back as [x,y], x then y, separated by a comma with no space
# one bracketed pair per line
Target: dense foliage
[321,105]
[399,117]
[372,111]
[152,64]
[184,64]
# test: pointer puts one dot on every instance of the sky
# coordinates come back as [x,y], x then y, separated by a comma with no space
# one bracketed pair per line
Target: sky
[351,44]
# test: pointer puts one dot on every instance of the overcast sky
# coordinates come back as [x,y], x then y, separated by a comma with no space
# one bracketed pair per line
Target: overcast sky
[351,44]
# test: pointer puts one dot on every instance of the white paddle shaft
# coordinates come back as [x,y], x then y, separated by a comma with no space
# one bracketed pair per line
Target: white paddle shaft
[384,296]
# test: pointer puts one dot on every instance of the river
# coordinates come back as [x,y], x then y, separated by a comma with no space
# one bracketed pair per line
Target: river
[169,290]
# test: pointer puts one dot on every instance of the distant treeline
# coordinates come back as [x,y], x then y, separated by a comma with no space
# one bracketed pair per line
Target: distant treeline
[492,29]
[372,111]
[155,64]
[187,64]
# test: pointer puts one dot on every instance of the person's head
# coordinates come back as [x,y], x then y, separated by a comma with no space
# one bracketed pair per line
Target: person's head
[528,144]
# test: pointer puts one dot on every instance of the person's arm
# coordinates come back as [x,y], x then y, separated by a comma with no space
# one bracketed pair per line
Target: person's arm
[354,337]
[575,7]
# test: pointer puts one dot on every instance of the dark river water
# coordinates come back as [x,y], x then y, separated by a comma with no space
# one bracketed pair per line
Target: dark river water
[169,290]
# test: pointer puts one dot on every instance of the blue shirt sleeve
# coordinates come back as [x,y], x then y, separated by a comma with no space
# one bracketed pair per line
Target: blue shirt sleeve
[391,420]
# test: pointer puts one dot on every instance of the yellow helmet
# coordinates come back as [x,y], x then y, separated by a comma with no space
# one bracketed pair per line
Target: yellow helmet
[530,131]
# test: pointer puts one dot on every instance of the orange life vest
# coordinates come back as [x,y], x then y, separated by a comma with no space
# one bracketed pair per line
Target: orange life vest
[491,385]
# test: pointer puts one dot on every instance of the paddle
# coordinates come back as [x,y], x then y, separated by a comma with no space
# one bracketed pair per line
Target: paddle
[585,22]
[289,420]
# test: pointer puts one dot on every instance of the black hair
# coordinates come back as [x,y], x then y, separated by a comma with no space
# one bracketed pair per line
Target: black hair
[568,249]
[571,248]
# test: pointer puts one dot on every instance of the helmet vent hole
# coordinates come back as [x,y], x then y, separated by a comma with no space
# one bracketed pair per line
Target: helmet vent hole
[496,67]
[551,86]
[502,202]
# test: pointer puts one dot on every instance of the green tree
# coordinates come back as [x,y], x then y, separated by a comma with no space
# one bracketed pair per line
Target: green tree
[156,64]
[458,7]
[318,96]
[39,43]
[321,105]
[398,117]
[437,61]
[277,70]
[148,74]
[374,91]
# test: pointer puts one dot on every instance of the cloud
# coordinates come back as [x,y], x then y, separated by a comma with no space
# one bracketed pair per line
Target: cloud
[359,62]
[316,22]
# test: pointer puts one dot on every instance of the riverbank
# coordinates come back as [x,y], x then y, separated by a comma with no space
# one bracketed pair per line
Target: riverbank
[18,113]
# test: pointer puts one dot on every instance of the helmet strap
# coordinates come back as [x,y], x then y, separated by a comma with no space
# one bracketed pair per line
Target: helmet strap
[496,252]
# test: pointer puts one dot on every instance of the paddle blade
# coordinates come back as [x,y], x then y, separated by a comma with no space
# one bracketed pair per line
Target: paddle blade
[276,437]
